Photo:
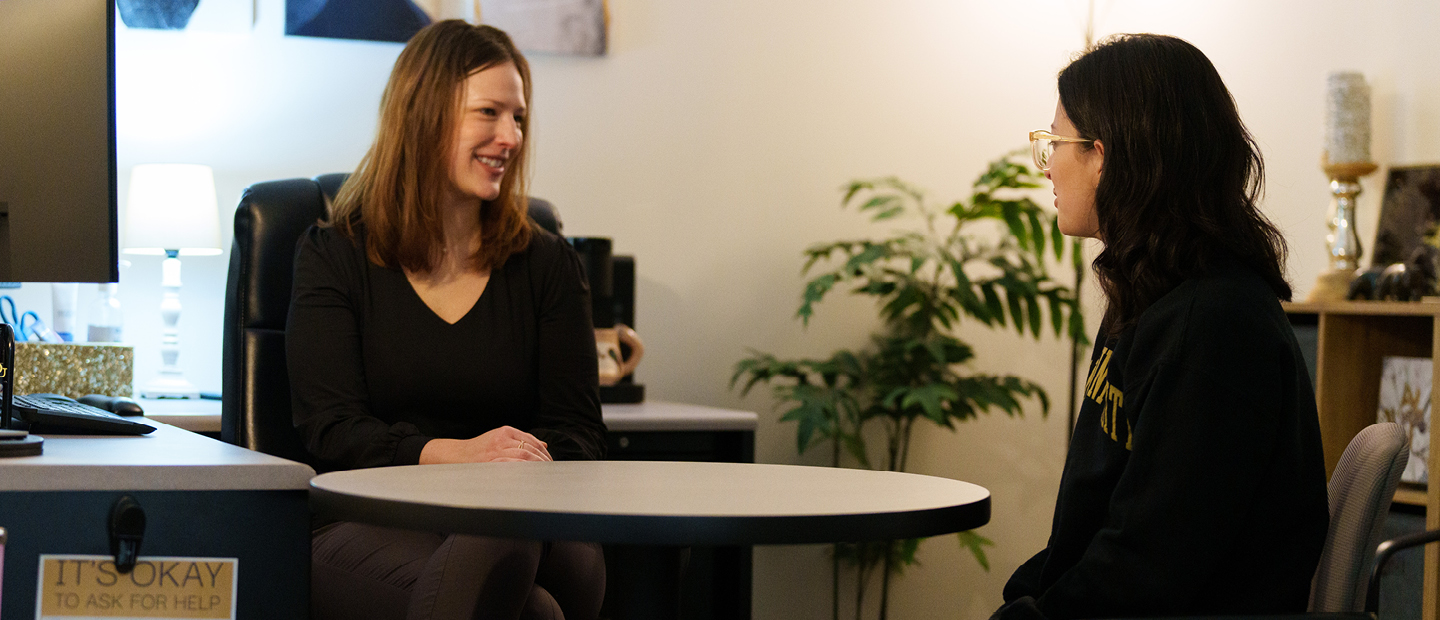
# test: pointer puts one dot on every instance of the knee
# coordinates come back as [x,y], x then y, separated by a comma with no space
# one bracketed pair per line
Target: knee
[574,575]
[512,554]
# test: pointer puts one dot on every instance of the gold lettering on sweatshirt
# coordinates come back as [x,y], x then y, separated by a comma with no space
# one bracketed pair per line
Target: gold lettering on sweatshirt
[1110,399]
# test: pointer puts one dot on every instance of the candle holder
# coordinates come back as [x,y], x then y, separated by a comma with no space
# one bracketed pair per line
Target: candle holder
[1343,242]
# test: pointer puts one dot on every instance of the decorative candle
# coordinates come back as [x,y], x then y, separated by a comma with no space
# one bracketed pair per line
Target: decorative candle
[1347,127]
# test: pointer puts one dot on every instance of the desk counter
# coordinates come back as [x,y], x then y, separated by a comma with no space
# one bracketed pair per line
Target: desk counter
[667,416]
[203,416]
[169,459]
[201,497]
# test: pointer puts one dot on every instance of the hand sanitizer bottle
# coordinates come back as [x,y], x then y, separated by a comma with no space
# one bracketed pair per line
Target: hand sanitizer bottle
[105,316]
[63,305]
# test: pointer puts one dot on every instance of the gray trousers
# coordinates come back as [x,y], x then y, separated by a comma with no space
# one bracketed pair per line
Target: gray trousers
[363,571]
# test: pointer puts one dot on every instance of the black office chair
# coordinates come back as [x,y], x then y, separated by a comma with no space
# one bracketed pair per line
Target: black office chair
[255,407]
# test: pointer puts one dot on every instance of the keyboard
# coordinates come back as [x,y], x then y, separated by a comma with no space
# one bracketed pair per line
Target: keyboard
[51,414]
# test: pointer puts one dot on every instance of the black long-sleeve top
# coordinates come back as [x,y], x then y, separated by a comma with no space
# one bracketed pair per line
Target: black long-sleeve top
[375,374]
[1195,481]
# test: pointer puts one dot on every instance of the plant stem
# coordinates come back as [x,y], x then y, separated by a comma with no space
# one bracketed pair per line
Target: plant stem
[885,581]
[860,582]
[893,442]
[835,550]
[905,443]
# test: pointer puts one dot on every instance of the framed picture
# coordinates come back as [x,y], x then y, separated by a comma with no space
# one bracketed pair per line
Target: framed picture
[1409,211]
[203,15]
[1405,400]
[553,26]
[575,27]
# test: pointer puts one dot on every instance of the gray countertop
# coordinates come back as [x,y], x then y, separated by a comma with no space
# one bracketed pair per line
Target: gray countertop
[169,459]
[203,416]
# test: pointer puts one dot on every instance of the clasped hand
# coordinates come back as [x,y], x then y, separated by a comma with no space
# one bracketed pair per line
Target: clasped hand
[506,443]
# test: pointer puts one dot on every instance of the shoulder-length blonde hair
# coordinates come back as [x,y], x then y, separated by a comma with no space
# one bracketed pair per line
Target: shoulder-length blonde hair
[395,192]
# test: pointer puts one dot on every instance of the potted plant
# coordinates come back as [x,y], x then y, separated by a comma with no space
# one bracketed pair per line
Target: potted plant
[926,281]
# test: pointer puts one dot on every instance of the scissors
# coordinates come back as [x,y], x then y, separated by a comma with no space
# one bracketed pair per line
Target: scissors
[21,322]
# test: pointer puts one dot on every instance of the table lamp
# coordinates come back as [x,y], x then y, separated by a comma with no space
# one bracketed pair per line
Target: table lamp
[1346,158]
[172,211]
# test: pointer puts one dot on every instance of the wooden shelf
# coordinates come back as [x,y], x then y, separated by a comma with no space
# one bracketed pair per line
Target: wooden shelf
[1365,308]
[1353,338]
[1412,496]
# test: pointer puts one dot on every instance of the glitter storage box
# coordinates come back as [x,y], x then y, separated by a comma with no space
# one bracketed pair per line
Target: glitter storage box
[74,370]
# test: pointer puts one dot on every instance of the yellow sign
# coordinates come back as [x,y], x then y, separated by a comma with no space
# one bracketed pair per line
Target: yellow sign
[89,586]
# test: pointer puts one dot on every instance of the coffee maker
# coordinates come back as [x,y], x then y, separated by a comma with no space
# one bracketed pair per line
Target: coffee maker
[612,303]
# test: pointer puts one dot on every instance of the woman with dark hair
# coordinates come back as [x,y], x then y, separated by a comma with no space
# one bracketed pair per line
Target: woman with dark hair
[1195,481]
[432,323]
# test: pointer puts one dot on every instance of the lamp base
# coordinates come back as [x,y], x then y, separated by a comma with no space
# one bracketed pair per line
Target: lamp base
[169,387]
[1332,285]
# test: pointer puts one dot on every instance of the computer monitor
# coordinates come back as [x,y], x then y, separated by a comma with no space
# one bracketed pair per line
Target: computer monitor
[58,219]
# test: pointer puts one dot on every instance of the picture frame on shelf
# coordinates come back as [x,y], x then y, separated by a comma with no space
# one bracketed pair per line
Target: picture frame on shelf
[1405,384]
[1409,210]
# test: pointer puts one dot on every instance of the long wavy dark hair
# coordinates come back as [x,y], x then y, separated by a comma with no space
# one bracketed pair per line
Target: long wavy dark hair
[1182,177]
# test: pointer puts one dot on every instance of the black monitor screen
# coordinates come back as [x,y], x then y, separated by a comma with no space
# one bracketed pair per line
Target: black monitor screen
[57,141]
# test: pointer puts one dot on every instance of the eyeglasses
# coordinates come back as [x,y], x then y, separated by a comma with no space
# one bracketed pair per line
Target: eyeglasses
[1042,147]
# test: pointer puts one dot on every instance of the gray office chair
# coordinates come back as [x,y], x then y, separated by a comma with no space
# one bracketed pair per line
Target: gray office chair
[1360,493]
[255,405]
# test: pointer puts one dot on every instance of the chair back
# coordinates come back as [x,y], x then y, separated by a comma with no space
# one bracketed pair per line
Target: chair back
[255,406]
[1360,492]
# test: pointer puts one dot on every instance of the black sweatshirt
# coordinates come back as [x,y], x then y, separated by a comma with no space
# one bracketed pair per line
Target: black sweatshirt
[375,374]
[1195,481]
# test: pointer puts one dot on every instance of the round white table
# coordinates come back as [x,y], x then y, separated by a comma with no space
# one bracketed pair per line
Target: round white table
[668,505]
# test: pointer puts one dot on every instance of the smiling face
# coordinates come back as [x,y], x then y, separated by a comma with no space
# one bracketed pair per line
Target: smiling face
[1075,172]
[487,132]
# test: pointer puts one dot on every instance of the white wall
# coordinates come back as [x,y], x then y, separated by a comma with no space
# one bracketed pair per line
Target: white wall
[711,142]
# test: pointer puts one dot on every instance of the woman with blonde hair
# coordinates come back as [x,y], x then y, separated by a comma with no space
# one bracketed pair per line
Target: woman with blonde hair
[431,322]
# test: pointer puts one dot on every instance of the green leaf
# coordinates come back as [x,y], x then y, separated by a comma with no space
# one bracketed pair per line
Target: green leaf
[854,188]
[879,201]
[906,297]
[814,292]
[1057,312]
[877,288]
[805,428]
[1011,212]
[936,349]
[961,212]
[892,399]
[1032,309]
[902,554]
[976,544]
[929,398]
[1037,234]
[855,447]
[992,303]
[1077,327]
[870,254]
[1012,299]
[1057,237]
[846,363]
[888,213]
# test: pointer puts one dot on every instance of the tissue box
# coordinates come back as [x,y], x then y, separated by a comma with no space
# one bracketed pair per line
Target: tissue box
[74,370]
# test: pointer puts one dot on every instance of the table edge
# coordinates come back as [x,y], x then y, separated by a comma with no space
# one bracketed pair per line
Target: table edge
[650,529]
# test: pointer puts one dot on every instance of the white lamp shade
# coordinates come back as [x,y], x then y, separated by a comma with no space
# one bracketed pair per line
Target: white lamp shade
[172,207]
